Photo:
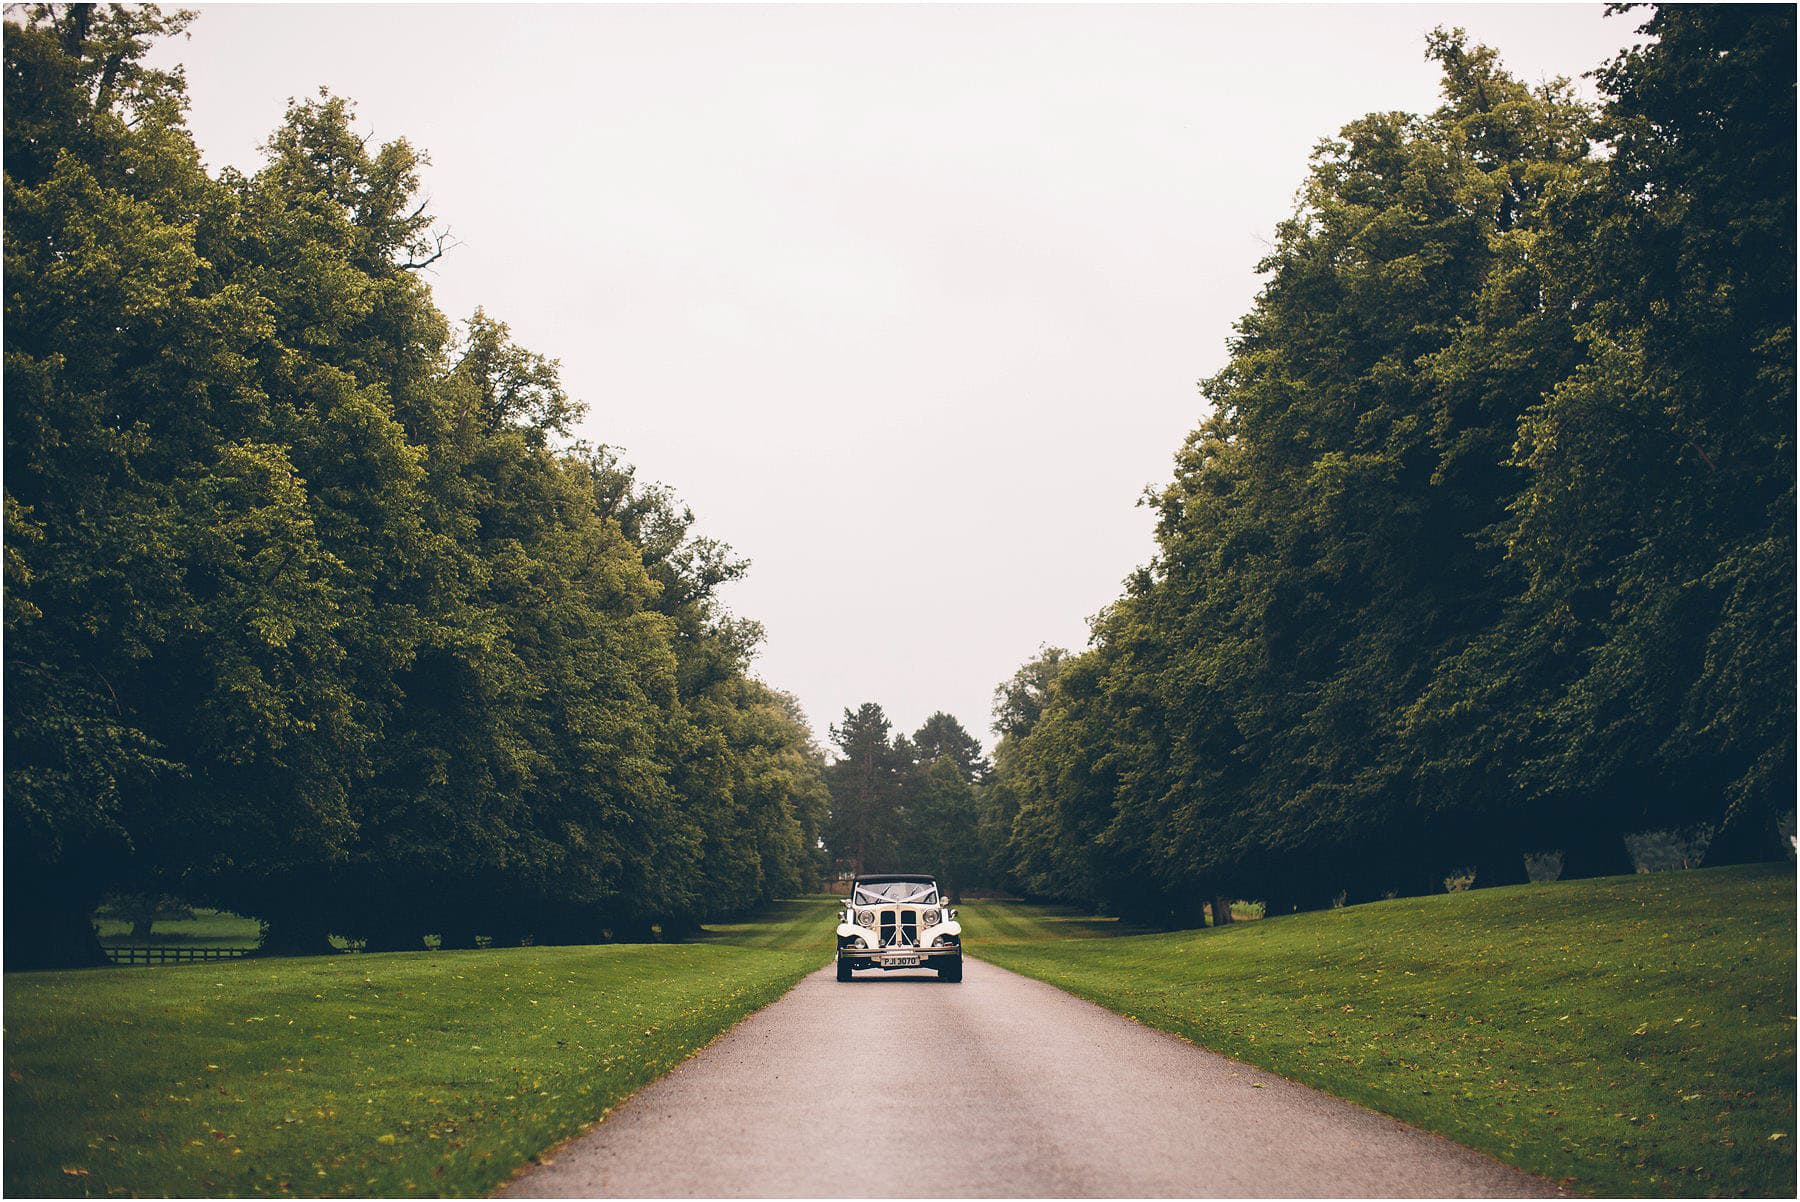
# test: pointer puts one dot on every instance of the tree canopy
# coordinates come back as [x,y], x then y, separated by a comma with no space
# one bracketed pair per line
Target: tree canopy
[313,610]
[907,804]
[316,609]
[1485,546]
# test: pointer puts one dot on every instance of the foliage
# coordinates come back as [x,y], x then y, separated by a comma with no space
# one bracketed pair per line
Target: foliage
[143,910]
[1670,850]
[1485,547]
[1628,1036]
[941,736]
[900,804]
[435,1073]
[313,611]
[214,928]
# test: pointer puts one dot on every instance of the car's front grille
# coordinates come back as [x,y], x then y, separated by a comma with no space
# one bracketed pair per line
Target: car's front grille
[899,928]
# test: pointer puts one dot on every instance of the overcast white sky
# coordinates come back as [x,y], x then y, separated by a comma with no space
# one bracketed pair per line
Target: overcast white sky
[909,303]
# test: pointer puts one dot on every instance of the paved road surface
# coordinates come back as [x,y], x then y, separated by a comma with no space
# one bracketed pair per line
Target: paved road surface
[900,1085]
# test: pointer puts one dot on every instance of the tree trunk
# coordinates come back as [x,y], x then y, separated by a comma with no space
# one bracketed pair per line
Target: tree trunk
[1747,836]
[865,789]
[1597,853]
[1421,882]
[141,926]
[506,932]
[1500,868]
[635,930]
[395,937]
[295,935]
[50,928]
[677,929]
[1311,895]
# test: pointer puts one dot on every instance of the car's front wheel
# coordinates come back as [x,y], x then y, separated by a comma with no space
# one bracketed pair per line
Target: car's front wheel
[951,971]
[844,969]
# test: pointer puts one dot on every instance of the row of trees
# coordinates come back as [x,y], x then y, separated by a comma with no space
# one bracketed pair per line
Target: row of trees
[1486,546]
[312,612]
[902,804]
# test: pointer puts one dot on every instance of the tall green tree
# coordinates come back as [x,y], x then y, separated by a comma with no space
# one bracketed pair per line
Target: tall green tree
[1656,528]
[865,784]
[941,834]
[1322,546]
[1486,546]
[175,659]
[312,609]
[942,735]
[941,827]
[327,235]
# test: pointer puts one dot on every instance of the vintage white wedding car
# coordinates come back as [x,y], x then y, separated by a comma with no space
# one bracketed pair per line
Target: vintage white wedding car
[895,920]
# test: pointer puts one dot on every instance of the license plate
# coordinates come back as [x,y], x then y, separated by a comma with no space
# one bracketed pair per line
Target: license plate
[902,962]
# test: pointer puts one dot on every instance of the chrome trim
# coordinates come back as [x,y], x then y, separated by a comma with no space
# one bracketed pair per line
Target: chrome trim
[876,956]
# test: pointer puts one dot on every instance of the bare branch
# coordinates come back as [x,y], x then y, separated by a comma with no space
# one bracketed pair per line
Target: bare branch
[442,243]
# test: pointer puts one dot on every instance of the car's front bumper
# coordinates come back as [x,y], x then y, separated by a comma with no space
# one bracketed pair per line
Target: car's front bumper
[879,959]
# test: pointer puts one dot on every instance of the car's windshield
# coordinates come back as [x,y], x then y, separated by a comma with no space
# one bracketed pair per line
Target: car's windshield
[876,893]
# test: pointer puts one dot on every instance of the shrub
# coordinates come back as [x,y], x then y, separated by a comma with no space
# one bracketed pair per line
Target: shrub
[1543,867]
[1669,850]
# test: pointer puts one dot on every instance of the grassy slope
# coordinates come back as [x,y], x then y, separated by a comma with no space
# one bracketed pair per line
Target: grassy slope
[426,1072]
[1633,1035]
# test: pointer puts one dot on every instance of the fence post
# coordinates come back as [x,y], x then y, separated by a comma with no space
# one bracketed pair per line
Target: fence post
[131,954]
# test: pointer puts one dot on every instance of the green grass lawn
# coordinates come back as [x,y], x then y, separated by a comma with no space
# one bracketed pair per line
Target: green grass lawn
[1628,1035]
[207,928]
[414,1072]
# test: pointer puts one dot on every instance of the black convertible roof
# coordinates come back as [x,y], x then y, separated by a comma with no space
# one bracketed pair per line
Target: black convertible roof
[877,878]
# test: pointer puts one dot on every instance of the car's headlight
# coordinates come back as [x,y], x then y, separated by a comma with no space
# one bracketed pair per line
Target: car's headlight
[931,917]
[865,918]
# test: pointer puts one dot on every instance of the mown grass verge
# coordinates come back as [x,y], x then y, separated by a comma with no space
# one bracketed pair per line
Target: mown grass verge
[207,928]
[415,1072]
[1627,1035]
